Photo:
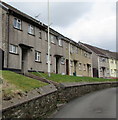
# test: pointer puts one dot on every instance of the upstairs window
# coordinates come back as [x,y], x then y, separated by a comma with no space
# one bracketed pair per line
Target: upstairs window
[31,29]
[13,49]
[85,54]
[103,60]
[60,42]
[71,49]
[37,56]
[76,50]
[17,23]
[52,38]
[46,36]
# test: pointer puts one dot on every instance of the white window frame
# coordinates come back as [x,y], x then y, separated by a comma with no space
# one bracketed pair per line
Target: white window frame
[31,29]
[13,49]
[63,60]
[80,66]
[60,42]
[71,63]
[37,56]
[17,23]
[72,49]
[52,39]
[101,70]
[46,36]
[76,50]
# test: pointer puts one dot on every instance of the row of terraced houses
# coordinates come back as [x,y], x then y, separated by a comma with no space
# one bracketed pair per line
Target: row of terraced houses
[24,49]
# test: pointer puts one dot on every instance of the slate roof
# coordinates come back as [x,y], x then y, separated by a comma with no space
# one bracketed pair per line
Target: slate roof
[94,49]
[35,22]
[102,52]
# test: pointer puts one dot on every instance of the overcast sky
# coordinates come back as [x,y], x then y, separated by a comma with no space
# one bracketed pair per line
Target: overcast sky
[89,22]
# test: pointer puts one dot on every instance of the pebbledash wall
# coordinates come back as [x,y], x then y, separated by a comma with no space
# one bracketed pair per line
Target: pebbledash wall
[43,101]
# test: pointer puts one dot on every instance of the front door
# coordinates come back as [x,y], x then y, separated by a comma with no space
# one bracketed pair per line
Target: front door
[67,67]
[57,65]
[24,61]
[1,59]
[95,72]
[88,69]
[75,65]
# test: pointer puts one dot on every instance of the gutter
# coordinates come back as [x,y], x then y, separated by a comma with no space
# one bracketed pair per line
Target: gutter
[8,40]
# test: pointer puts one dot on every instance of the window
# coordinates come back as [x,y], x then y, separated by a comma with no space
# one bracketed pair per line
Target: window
[103,60]
[71,63]
[40,34]
[80,66]
[71,49]
[101,70]
[17,23]
[13,49]
[63,60]
[85,54]
[46,36]
[31,29]
[60,42]
[76,50]
[37,56]
[52,38]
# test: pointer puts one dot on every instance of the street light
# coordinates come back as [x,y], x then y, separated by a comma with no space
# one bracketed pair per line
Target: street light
[49,40]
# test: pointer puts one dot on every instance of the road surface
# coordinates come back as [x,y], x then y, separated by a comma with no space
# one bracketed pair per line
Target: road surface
[100,104]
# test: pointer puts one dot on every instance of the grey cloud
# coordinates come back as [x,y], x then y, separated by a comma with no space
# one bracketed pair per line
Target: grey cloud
[62,14]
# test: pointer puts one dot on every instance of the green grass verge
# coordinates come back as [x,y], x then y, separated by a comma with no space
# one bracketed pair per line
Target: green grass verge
[66,78]
[13,83]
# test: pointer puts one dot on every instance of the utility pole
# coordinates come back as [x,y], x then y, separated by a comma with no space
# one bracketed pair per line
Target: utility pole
[48,40]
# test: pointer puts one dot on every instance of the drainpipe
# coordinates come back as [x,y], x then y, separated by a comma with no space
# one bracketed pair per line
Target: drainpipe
[69,60]
[8,40]
[98,67]
[91,65]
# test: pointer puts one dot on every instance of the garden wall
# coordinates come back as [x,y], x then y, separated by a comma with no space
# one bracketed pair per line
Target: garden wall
[44,100]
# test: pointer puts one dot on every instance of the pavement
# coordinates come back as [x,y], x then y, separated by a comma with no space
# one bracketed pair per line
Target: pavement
[100,104]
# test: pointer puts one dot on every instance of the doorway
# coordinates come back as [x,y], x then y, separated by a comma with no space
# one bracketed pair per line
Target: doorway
[24,64]
[67,67]
[103,69]
[75,66]
[1,59]
[95,72]
[57,65]
[88,70]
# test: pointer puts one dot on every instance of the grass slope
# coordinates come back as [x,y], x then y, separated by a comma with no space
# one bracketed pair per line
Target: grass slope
[14,83]
[66,78]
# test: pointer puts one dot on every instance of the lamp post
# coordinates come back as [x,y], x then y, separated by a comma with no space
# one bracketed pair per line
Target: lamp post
[48,40]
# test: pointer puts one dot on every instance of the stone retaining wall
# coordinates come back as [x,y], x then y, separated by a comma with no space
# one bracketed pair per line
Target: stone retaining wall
[68,91]
[40,105]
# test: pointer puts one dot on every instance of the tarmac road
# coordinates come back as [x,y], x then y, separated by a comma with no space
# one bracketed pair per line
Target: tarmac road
[100,104]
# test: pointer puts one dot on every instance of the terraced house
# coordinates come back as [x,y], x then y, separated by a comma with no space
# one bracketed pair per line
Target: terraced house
[100,62]
[113,62]
[25,46]
[81,60]
[104,62]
